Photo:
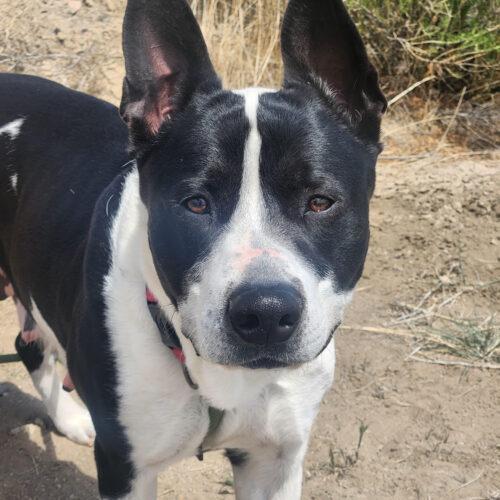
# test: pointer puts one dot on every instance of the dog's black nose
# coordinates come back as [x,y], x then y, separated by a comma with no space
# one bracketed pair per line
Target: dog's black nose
[265,315]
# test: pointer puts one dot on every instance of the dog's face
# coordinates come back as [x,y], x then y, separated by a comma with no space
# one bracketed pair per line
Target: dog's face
[257,200]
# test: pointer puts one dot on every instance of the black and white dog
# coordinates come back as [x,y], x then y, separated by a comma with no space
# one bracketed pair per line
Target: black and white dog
[205,267]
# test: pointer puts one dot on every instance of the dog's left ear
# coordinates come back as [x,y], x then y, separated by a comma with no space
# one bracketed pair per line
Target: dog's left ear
[166,62]
[321,46]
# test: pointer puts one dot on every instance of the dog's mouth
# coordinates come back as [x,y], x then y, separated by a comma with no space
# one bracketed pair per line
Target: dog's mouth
[279,357]
[268,364]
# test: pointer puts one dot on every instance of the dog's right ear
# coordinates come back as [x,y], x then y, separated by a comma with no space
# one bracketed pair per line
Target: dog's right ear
[166,62]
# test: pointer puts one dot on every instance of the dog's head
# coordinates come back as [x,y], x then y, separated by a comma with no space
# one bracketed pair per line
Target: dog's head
[257,200]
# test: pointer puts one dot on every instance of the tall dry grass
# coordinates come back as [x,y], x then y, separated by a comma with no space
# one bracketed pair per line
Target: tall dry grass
[243,39]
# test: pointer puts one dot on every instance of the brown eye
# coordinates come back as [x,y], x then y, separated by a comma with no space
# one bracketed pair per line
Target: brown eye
[197,205]
[320,204]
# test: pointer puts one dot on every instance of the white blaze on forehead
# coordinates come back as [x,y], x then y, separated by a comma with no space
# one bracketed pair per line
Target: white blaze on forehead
[251,205]
[12,128]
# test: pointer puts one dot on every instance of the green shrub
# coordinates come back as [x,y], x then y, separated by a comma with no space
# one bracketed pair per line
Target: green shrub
[454,41]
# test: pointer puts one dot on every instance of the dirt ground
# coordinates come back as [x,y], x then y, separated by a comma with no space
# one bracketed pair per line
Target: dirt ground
[428,431]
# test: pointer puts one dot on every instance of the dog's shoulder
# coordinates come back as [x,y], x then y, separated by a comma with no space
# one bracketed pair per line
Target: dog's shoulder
[90,354]
[99,245]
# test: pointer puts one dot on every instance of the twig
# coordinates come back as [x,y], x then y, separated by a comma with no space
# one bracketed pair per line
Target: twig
[373,329]
[451,122]
[395,99]
[467,483]
[489,366]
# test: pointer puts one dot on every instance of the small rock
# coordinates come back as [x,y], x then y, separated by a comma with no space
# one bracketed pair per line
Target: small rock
[74,6]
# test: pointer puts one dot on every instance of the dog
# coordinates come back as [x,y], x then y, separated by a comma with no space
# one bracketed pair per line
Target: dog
[191,263]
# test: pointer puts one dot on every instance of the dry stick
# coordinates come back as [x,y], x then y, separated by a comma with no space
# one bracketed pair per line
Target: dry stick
[395,99]
[404,157]
[489,366]
[425,313]
[415,351]
[467,483]
[401,333]
[383,331]
[452,121]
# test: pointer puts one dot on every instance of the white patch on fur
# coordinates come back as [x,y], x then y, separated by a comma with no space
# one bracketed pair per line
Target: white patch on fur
[13,128]
[69,417]
[251,204]
[13,182]
[274,429]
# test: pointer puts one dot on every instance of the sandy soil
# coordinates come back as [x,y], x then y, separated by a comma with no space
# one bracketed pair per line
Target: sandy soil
[432,431]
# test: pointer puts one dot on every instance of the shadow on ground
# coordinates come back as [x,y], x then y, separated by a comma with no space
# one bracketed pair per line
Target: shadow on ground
[29,466]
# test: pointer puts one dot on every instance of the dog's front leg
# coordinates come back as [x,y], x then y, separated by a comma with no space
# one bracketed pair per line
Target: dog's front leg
[119,479]
[144,486]
[269,473]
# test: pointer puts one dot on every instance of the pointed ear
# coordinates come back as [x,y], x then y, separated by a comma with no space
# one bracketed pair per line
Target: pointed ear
[321,46]
[166,61]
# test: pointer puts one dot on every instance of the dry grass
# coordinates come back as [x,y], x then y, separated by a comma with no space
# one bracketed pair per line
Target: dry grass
[340,461]
[438,324]
[243,39]
[451,45]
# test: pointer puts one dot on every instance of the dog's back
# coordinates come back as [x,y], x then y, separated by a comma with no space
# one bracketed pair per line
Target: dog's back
[58,149]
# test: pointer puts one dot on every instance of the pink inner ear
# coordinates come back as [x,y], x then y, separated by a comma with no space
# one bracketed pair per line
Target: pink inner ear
[161,104]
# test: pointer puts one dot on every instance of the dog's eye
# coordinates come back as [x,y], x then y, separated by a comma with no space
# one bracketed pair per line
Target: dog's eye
[197,205]
[320,204]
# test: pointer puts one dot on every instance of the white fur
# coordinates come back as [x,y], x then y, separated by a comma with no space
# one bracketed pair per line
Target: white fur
[251,203]
[69,417]
[13,182]
[13,128]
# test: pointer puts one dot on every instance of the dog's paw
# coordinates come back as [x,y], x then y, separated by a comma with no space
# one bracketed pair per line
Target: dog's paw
[75,423]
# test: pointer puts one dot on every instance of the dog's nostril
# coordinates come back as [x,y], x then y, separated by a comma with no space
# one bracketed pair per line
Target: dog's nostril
[248,322]
[288,321]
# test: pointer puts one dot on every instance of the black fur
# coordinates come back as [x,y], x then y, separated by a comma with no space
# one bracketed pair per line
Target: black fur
[166,61]
[322,48]
[237,457]
[51,251]
[31,354]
